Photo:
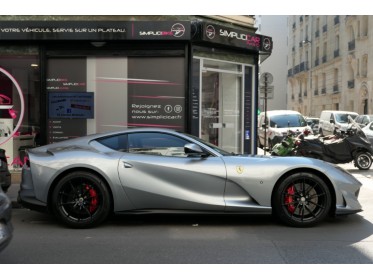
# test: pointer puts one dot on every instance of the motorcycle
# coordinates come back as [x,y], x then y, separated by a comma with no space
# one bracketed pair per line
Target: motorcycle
[287,146]
[352,145]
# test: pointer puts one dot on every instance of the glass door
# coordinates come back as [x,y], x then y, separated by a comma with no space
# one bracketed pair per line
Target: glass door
[221,102]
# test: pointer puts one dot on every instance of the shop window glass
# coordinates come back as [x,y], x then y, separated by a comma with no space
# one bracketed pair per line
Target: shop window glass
[19,108]
[127,92]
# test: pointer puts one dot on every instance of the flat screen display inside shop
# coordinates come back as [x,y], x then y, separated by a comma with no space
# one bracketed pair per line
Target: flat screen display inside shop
[71,105]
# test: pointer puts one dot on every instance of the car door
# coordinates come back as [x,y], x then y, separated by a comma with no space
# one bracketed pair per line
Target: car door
[157,174]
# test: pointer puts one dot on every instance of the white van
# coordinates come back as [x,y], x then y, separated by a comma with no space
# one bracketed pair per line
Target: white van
[278,123]
[330,121]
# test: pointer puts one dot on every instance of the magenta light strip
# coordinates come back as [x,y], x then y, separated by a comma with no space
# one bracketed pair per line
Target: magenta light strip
[153,125]
[156,97]
[134,81]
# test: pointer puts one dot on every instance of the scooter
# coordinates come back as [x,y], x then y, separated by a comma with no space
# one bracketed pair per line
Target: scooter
[352,145]
[287,146]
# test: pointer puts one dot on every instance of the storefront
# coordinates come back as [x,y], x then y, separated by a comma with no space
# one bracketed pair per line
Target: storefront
[65,79]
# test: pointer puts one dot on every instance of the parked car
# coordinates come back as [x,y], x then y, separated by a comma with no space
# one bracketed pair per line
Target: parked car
[136,171]
[275,128]
[332,121]
[363,120]
[6,227]
[5,176]
[313,123]
[368,129]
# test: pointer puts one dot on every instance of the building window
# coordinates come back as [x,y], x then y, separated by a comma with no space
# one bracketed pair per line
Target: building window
[364,66]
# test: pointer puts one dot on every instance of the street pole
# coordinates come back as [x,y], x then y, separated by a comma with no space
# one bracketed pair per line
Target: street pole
[265,113]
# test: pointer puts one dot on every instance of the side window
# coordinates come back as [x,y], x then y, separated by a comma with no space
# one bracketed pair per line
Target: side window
[160,144]
[116,142]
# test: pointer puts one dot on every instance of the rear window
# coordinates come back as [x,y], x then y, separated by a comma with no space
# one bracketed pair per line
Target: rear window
[282,121]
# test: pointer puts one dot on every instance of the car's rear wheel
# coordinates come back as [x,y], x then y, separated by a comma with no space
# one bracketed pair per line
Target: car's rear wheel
[81,200]
[302,200]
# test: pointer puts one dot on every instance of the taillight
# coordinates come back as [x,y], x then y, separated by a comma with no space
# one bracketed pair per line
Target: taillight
[27,162]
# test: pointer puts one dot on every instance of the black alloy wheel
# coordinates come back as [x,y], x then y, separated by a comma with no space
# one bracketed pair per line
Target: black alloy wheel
[363,160]
[302,200]
[81,200]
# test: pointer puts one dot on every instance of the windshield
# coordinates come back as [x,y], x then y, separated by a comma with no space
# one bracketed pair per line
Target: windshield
[283,121]
[211,146]
[343,118]
[356,126]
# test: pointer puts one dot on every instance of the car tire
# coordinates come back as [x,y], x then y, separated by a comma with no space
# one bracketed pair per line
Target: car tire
[301,200]
[81,200]
[363,160]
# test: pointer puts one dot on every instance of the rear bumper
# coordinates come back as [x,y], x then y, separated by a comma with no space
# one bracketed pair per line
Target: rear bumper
[26,194]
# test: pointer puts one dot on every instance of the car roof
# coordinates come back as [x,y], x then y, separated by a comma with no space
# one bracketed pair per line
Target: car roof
[281,112]
[342,112]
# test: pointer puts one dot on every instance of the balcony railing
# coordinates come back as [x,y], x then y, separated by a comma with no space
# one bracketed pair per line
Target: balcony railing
[305,93]
[316,62]
[316,92]
[325,28]
[302,67]
[296,69]
[323,59]
[335,89]
[323,90]
[317,33]
[290,72]
[351,84]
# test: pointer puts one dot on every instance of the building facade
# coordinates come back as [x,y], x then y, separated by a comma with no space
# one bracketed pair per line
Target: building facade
[276,27]
[68,76]
[328,63]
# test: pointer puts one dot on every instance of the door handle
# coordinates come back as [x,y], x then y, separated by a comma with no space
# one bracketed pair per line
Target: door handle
[127,165]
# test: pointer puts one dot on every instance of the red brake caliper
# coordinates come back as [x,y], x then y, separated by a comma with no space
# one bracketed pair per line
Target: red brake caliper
[94,200]
[289,199]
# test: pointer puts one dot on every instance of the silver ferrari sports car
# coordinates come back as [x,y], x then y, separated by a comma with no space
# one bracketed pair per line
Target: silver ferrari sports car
[82,180]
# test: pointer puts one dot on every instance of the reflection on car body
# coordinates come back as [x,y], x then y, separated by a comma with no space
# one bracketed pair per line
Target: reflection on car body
[5,176]
[6,227]
[82,180]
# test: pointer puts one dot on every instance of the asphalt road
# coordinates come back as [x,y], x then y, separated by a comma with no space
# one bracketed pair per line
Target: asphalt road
[167,239]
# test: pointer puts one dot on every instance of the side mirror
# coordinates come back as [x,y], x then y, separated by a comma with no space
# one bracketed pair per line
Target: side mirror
[193,150]
[332,121]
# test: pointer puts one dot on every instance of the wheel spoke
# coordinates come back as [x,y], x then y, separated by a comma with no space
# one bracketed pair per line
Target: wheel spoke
[318,205]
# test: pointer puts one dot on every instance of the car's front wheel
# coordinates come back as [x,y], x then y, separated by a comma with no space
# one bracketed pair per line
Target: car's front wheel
[81,200]
[301,200]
